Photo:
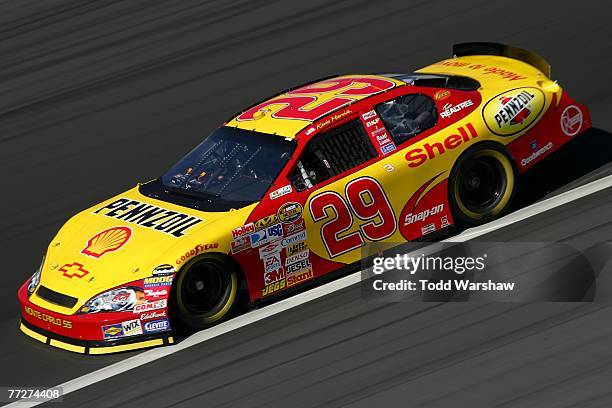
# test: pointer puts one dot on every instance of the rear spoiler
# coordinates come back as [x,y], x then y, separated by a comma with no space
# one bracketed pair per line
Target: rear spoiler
[486,48]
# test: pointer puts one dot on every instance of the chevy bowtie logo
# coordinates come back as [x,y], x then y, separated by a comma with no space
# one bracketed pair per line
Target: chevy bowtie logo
[73,269]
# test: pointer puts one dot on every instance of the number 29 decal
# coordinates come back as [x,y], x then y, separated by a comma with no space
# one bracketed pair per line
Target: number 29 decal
[366,200]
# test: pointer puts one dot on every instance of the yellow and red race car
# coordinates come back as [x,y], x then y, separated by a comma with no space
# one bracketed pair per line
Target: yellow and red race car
[290,190]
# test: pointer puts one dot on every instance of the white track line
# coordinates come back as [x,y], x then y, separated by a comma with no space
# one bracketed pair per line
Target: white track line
[299,299]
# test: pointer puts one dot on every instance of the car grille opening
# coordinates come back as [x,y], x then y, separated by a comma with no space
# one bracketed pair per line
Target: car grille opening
[56,298]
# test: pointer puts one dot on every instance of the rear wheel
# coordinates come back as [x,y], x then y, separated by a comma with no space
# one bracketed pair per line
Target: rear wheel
[206,291]
[482,185]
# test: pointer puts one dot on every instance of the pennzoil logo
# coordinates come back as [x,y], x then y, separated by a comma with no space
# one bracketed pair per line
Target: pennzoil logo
[107,241]
[149,216]
[513,111]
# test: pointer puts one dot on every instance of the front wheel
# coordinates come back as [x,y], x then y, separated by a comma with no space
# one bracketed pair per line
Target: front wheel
[482,185]
[205,291]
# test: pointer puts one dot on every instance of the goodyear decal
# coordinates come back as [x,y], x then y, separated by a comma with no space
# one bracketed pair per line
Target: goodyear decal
[149,216]
[513,111]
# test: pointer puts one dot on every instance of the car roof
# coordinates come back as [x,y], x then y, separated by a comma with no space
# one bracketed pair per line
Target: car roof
[277,116]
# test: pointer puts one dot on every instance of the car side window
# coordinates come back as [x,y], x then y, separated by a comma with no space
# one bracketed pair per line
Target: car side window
[331,153]
[408,115]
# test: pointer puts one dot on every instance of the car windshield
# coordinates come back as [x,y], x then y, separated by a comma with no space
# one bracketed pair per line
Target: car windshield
[230,169]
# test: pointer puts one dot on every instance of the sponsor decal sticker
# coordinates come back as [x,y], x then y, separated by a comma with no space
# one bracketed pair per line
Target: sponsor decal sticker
[131,327]
[240,244]
[243,230]
[293,228]
[536,154]
[149,216]
[386,149]
[156,326]
[289,212]
[431,150]
[269,234]
[300,256]
[293,249]
[449,109]
[369,114]
[158,281]
[156,293]
[195,251]
[112,331]
[163,270]
[275,287]
[299,277]
[274,276]
[269,249]
[444,222]
[272,262]
[153,305]
[428,229]
[513,111]
[107,241]
[298,266]
[441,95]
[158,314]
[265,222]
[292,239]
[281,191]
[74,269]
[423,215]
[571,120]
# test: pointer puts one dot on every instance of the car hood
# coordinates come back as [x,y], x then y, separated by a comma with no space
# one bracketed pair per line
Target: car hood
[123,239]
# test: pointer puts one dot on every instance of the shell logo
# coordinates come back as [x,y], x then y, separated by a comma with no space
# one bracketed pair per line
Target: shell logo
[513,111]
[107,241]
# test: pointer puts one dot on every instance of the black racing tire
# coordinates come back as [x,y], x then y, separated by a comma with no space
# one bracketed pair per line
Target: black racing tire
[482,185]
[205,291]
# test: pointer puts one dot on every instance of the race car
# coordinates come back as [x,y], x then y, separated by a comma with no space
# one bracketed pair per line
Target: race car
[288,192]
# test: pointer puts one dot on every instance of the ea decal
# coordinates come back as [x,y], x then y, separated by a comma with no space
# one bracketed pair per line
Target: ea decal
[290,212]
[513,111]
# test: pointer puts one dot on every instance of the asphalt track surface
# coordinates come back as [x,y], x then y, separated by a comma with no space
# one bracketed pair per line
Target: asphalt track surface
[97,95]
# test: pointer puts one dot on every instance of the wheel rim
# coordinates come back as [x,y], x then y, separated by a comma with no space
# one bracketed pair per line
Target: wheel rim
[485,185]
[205,289]
[482,185]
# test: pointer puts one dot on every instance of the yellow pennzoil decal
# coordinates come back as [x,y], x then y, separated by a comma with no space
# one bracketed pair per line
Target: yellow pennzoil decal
[513,111]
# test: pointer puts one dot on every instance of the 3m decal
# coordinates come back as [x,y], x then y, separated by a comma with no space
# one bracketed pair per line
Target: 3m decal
[106,241]
[367,201]
[149,216]
[513,111]
[274,276]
